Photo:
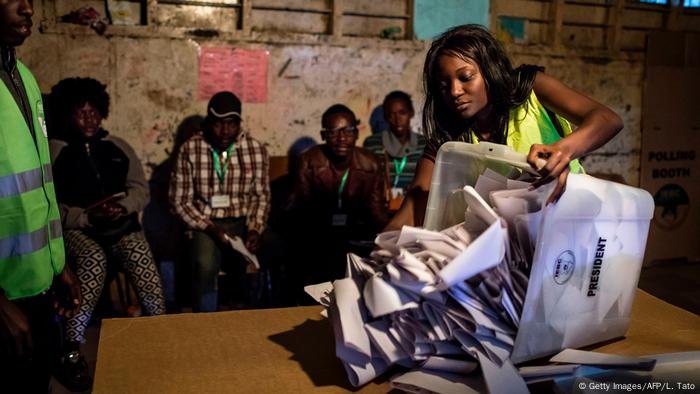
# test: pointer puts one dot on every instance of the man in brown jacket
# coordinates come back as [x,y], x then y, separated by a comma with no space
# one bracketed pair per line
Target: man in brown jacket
[338,198]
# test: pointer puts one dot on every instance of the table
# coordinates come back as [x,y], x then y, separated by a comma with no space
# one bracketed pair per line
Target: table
[291,350]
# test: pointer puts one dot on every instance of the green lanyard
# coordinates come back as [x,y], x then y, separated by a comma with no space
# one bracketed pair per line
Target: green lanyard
[343,181]
[221,172]
[398,168]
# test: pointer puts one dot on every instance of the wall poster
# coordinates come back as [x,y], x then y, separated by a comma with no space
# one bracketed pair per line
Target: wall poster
[241,71]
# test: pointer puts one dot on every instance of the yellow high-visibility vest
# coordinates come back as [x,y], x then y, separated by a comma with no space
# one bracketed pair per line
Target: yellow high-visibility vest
[31,241]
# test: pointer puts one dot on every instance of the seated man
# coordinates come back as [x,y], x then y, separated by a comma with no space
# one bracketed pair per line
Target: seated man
[398,147]
[338,196]
[220,189]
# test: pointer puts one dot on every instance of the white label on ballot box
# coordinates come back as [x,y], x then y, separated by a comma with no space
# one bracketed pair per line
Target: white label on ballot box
[340,219]
[220,201]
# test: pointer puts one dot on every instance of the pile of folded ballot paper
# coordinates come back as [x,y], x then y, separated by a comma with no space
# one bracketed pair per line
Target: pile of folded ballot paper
[515,280]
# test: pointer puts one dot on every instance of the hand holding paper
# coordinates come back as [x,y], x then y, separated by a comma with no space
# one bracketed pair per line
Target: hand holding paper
[238,245]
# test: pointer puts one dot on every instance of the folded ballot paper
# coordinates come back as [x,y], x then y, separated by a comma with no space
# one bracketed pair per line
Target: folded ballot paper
[237,244]
[513,280]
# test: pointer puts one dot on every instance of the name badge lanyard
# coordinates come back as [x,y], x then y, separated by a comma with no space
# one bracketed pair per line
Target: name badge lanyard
[398,168]
[218,168]
[343,181]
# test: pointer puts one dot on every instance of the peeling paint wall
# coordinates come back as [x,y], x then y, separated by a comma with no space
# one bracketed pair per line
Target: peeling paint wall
[153,85]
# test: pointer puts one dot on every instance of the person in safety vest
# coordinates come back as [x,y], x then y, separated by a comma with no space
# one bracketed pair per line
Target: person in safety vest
[474,95]
[31,242]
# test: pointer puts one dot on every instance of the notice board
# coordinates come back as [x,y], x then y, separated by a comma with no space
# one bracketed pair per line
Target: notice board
[241,71]
[434,17]
[670,167]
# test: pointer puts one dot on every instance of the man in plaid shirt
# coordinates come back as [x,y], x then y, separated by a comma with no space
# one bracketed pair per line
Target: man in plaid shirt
[220,188]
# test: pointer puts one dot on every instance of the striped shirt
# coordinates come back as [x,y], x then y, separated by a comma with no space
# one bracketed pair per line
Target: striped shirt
[246,182]
[412,151]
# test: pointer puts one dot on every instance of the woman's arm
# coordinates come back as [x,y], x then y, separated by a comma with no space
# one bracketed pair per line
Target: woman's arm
[597,124]
[412,209]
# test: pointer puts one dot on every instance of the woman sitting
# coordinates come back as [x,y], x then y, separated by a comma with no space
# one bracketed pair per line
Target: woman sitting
[100,188]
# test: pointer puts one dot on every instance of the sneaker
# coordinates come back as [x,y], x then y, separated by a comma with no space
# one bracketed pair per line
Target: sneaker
[72,372]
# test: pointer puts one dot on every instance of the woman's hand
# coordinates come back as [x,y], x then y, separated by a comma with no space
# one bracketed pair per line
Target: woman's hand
[113,210]
[107,212]
[552,163]
[597,124]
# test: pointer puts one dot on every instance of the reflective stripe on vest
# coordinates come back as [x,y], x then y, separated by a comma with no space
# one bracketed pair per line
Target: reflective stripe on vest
[29,243]
[15,184]
[56,229]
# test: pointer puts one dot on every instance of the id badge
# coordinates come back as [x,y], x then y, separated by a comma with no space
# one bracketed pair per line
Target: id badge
[396,199]
[220,201]
[339,219]
[395,203]
[396,192]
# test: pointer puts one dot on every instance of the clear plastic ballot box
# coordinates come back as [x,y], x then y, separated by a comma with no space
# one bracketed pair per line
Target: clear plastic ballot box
[588,251]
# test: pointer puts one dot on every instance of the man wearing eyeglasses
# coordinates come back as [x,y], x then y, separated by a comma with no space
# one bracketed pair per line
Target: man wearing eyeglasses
[338,196]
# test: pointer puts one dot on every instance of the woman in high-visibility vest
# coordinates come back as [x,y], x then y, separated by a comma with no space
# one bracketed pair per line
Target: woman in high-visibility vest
[473,94]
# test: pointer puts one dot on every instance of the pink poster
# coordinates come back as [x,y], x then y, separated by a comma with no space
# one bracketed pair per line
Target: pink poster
[242,71]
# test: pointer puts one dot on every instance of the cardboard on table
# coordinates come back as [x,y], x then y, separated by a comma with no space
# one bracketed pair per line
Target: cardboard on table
[291,350]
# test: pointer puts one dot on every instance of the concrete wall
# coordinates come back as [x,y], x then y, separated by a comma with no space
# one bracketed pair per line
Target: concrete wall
[151,73]
[153,84]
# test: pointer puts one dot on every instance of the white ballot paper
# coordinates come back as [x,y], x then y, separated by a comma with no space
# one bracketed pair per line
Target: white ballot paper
[669,369]
[320,292]
[490,181]
[511,283]
[573,356]
[381,298]
[450,365]
[542,373]
[503,379]
[238,245]
[484,252]
[427,381]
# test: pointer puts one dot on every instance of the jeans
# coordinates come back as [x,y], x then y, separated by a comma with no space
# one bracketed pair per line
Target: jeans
[207,255]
